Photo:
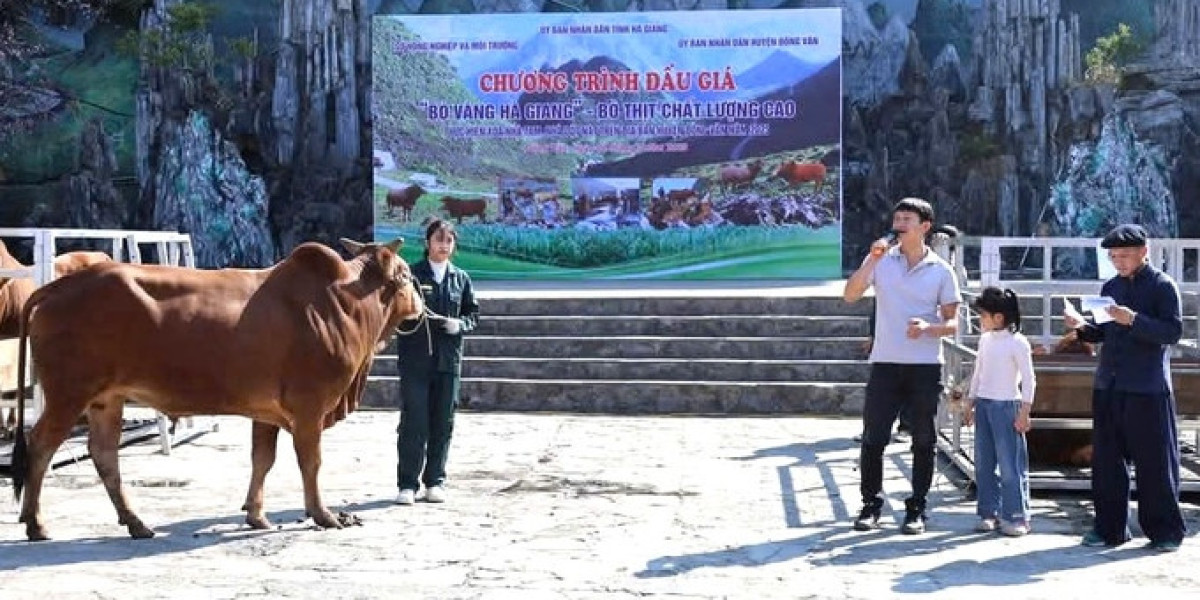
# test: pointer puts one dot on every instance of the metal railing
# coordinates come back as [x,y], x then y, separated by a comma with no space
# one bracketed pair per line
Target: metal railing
[1179,258]
[956,378]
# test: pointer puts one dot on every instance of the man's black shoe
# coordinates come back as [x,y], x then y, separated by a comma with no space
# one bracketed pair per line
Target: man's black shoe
[914,517]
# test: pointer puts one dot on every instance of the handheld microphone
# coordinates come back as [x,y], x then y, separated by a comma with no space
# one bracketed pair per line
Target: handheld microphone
[891,238]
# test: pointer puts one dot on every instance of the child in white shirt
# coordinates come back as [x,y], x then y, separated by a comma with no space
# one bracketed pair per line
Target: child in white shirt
[999,402]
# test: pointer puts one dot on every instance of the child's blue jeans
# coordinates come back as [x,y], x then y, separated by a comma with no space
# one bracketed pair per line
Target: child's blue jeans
[999,445]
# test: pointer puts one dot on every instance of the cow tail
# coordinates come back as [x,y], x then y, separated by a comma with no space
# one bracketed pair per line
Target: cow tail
[20,453]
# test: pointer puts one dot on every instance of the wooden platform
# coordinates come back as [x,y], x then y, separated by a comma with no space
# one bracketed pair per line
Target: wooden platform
[1064,385]
[1060,442]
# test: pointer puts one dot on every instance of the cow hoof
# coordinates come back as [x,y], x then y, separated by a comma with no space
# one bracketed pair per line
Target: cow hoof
[36,533]
[139,531]
[258,522]
[326,520]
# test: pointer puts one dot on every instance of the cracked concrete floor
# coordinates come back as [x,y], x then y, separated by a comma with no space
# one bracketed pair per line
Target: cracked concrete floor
[558,506]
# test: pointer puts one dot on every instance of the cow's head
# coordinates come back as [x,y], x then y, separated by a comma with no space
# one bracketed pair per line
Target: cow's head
[384,266]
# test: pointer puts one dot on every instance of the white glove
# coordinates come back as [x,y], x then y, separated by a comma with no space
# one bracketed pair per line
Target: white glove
[452,326]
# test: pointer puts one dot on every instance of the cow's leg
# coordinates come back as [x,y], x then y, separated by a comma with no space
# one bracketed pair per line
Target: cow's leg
[47,435]
[265,438]
[306,437]
[104,439]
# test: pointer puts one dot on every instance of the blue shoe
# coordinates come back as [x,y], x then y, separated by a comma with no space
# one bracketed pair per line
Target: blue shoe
[1164,546]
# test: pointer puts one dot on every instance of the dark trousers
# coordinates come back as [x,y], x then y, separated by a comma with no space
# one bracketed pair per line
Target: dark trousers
[427,404]
[1140,429]
[892,388]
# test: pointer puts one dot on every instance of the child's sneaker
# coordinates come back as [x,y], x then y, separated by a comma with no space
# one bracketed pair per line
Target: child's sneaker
[1014,529]
[986,525]
[435,494]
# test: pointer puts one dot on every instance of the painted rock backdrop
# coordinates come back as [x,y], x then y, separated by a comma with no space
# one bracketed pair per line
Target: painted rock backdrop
[248,124]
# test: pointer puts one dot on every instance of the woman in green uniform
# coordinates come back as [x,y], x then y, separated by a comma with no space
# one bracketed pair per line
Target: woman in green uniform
[430,381]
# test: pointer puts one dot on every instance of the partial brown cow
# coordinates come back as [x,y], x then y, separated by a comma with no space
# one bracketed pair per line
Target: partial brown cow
[289,346]
[463,207]
[404,199]
[796,173]
[14,291]
[735,176]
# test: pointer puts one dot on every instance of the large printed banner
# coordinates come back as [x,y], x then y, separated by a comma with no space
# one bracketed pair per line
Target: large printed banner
[680,145]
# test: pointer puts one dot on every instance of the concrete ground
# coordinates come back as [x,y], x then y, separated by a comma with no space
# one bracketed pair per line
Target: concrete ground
[560,506]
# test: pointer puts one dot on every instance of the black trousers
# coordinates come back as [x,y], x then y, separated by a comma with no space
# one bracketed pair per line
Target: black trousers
[892,388]
[1140,429]
[427,403]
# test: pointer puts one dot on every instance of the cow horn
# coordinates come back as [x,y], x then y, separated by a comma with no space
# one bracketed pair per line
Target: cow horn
[352,246]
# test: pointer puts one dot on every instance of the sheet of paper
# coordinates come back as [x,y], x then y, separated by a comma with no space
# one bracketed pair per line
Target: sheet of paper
[1098,306]
[1070,309]
[1091,303]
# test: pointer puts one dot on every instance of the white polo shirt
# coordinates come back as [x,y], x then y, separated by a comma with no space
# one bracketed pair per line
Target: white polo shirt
[902,293]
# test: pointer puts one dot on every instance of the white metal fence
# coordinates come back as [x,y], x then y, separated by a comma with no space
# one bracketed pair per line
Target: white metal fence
[1170,255]
[171,248]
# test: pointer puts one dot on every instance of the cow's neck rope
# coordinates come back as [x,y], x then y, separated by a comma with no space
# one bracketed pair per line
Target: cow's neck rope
[421,319]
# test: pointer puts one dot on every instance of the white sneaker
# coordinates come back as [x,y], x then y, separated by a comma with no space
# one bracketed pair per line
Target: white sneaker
[1017,529]
[406,497]
[985,525]
[435,494]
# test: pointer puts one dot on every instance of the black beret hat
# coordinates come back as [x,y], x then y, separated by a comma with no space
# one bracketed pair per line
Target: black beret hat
[1125,236]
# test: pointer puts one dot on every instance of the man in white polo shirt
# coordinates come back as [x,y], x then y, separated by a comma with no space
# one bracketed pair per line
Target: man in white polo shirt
[916,303]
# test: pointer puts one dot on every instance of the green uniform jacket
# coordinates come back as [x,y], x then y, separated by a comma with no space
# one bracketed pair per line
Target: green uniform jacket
[453,298]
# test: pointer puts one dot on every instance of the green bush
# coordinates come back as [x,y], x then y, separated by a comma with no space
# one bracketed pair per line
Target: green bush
[1111,53]
[976,146]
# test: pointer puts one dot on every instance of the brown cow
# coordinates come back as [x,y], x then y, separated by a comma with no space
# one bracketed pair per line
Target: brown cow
[14,291]
[406,199]
[734,176]
[289,346]
[462,207]
[796,173]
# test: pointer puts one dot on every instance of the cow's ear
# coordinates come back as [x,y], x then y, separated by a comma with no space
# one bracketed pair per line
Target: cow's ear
[351,246]
[395,245]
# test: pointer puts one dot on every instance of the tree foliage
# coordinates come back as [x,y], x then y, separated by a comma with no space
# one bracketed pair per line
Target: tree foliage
[1111,53]
[182,44]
